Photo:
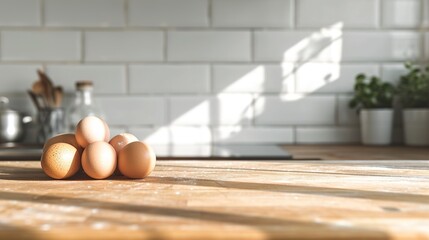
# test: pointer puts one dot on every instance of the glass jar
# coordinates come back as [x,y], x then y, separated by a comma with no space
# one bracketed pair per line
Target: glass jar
[83,105]
[51,122]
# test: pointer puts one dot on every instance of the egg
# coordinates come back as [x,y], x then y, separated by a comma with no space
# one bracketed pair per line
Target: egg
[119,141]
[60,160]
[136,160]
[99,160]
[91,129]
[64,138]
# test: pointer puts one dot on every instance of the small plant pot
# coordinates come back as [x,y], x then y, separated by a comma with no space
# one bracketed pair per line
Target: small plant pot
[376,126]
[416,126]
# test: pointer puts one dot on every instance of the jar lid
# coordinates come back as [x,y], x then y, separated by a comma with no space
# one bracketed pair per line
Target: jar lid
[84,84]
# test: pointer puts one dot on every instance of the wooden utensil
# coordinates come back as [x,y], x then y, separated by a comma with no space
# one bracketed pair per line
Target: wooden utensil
[37,87]
[49,89]
[58,96]
[34,99]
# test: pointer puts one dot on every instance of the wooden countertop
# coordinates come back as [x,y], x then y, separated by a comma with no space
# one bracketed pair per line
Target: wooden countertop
[357,152]
[221,199]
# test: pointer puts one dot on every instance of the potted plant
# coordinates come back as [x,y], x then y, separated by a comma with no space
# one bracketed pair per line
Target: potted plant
[373,100]
[413,89]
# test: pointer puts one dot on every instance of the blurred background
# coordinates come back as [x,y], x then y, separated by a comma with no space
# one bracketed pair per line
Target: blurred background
[214,71]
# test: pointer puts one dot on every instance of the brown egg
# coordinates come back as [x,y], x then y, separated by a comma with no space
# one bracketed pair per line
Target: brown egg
[136,160]
[91,129]
[99,160]
[64,138]
[60,160]
[119,141]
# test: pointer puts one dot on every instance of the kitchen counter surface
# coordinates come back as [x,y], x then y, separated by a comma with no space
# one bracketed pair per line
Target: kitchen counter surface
[357,152]
[220,199]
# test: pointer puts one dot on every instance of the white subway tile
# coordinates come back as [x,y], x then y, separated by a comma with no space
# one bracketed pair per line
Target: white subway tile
[40,46]
[252,13]
[253,78]
[327,135]
[20,13]
[330,77]
[106,78]
[84,13]
[169,78]
[176,135]
[17,78]
[131,110]
[190,110]
[333,45]
[232,109]
[393,72]
[274,45]
[165,13]
[298,46]
[295,110]
[116,131]
[190,135]
[257,135]
[346,115]
[381,46]
[155,135]
[425,22]
[351,13]
[223,109]
[209,46]
[124,46]
[401,13]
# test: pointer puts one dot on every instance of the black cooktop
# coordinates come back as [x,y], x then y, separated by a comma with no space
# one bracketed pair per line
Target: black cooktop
[171,152]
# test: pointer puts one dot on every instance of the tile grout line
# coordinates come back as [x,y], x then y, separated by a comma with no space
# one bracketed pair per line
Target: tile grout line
[126,13]
[209,13]
[165,47]
[42,13]
[380,15]
[82,47]
[294,15]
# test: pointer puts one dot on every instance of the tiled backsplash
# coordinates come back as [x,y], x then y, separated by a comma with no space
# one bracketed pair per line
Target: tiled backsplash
[197,71]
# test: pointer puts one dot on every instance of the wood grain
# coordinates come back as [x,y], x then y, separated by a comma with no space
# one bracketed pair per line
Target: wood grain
[221,199]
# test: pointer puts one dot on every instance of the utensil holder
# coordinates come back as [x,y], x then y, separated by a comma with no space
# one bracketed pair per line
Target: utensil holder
[52,122]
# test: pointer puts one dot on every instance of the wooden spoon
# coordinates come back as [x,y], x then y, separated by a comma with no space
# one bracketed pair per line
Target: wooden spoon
[37,87]
[58,96]
[48,86]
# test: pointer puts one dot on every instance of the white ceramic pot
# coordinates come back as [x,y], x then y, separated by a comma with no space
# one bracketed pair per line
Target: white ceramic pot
[416,126]
[376,126]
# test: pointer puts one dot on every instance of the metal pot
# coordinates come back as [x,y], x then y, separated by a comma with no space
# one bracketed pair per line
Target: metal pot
[11,123]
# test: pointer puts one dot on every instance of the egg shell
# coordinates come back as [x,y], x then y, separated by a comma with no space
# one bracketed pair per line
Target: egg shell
[99,160]
[91,129]
[121,140]
[60,160]
[64,138]
[136,160]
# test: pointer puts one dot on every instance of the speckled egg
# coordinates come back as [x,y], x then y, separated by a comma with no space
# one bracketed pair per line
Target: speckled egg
[60,160]
[64,138]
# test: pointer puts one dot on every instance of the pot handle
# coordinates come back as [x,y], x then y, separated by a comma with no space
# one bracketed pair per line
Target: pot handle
[27,119]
